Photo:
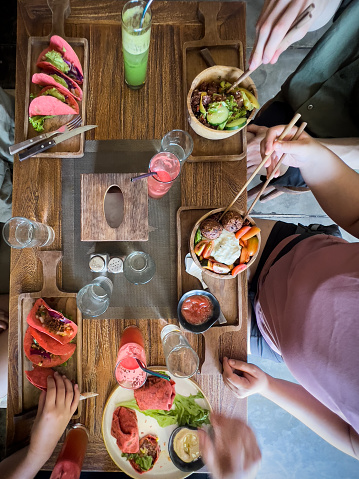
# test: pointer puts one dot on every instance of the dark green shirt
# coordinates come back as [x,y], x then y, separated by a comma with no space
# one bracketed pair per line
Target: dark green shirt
[325,87]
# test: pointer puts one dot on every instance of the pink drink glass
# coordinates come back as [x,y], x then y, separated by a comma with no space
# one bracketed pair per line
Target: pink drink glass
[167,167]
[128,373]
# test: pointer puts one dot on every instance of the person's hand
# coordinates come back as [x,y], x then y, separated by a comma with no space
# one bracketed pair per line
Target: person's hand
[252,379]
[56,407]
[233,452]
[255,135]
[275,21]
[299,153]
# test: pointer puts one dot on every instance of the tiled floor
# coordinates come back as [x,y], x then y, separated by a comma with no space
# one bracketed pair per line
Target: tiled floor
[290,450]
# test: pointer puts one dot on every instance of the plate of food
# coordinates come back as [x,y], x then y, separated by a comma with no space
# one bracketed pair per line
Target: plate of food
[224,246]
[137,426]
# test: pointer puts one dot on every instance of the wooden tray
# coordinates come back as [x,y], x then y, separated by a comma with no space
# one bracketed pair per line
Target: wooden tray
[223,52]
[74,147]
[228,293]
[59,300]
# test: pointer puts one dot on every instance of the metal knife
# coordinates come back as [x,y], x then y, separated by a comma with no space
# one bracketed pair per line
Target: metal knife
[87,395]
[40,147]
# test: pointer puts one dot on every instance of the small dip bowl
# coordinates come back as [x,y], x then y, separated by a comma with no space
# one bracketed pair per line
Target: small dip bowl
[181,465]
[199,328]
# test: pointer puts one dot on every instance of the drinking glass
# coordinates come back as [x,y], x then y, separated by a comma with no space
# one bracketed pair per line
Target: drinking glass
[128,373]
[179,143]
[135,42]
[167,167]
[139,267]
[94,298]
[72,454]
[182,361]
[19,232]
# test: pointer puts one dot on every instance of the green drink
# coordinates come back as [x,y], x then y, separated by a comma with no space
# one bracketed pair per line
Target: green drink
[135,42]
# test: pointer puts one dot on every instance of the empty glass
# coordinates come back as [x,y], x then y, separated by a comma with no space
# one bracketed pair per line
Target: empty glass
[94,298]
[181,360]
[139,267]
[179,143]
[19,232]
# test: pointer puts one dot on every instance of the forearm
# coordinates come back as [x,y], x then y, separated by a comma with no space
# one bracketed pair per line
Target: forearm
[346,148]
[21,465]
[302,405]
[335,186]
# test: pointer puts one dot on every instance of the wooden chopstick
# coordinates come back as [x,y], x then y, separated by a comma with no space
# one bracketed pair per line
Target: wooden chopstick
[264,161]
[271,176]
[299,22]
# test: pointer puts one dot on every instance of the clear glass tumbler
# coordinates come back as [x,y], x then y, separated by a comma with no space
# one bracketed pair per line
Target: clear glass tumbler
[19,232]
[179,143]
[128,373]
[94,298]
[139,267]
[135,42]
[167,168]
[181,360]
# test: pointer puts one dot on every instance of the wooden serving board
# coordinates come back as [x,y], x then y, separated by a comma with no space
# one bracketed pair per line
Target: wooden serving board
[223,52]
[74,147]
[61,301]
[229,294]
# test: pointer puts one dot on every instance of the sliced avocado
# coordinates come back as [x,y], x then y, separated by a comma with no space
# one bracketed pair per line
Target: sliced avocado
[54,92]
[56,59]
[59,80]
[201,107]
[236,124]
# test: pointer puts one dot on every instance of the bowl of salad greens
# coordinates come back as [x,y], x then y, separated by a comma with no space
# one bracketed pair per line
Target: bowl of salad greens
[215,114]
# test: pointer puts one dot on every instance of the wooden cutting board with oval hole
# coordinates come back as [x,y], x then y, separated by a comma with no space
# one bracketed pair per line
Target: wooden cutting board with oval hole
[61,301]
[74,147]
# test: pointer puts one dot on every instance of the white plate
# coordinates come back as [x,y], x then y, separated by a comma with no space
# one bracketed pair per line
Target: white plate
[164,468]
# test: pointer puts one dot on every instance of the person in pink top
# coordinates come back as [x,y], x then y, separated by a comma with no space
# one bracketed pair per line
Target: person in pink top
[306,302]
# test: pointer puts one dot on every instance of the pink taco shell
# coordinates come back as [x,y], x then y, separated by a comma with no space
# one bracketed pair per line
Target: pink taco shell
[44,79]
[49,105]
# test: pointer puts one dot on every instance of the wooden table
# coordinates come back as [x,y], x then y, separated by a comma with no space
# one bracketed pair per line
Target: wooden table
[120,114]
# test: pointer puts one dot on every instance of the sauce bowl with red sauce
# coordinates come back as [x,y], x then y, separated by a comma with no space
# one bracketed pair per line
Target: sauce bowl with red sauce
[198,310]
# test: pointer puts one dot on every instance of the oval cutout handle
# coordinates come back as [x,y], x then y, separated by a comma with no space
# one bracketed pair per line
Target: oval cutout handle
[113,206]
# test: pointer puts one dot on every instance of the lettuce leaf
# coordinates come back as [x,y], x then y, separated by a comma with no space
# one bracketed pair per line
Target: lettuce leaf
[38,121]
[185,411]
[144,462]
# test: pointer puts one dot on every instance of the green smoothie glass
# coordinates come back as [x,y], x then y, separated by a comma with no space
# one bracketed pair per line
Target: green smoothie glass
[135,42]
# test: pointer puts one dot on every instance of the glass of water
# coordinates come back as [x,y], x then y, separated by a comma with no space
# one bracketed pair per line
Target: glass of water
[94,298]
[181,360]
[139,267]
[19,232]
[179,143]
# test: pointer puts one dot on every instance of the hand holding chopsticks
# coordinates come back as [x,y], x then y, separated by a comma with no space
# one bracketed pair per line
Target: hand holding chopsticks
[298,23]
[264,161]
[276,168]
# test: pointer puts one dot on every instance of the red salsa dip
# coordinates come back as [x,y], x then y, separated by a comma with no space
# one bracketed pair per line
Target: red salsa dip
[197,309]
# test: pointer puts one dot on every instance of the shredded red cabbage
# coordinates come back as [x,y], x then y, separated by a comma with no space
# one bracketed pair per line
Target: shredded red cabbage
[41,353]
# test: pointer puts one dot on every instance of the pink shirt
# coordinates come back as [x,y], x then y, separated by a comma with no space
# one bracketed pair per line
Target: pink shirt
[308,311]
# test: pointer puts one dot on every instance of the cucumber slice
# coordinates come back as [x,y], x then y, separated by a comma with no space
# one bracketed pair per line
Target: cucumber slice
[236,124]
[219,116]
[222,125]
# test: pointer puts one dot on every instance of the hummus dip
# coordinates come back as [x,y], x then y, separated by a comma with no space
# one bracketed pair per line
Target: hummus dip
[186,445]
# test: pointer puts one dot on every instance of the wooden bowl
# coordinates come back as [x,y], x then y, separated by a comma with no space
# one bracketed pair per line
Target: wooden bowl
[217,73]
[195,257]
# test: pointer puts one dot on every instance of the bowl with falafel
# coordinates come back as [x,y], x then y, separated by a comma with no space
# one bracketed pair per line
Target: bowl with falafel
[224,246]
[215,114]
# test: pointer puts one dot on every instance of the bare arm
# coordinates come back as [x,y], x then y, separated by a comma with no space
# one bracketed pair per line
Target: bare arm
[334,184]
[346,148]
[295,400]
[21,465]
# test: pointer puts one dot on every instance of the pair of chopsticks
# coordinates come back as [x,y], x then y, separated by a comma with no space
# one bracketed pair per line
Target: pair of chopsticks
[298,23]
[264,161]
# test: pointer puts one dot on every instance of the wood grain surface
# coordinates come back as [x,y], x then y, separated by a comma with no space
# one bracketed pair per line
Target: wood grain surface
[121,114]
[94,190]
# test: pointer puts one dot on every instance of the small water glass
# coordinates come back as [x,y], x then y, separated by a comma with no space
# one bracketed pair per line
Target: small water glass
[139,267]
[181,360]
[19,233]
[94,298]
[179,143]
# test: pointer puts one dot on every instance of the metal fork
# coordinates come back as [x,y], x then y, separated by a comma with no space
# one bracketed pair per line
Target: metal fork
[74,123]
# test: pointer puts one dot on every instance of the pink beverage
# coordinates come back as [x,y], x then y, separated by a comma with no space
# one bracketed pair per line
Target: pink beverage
[72,454]
[167,167]
[128,373]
